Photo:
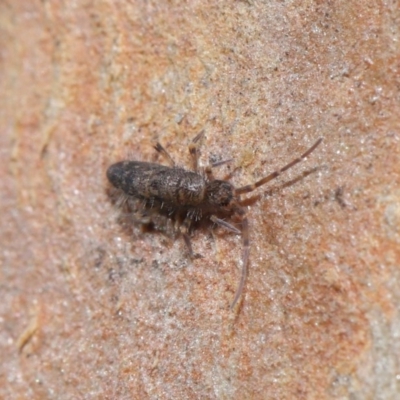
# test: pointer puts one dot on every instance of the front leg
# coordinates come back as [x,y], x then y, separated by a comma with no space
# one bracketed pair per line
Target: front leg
[225,225]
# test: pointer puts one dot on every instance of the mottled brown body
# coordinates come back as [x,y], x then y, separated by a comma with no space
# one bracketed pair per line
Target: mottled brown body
[190,196]
[173,189]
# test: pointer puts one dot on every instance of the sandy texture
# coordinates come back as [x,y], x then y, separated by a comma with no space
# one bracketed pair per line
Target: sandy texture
[90,311]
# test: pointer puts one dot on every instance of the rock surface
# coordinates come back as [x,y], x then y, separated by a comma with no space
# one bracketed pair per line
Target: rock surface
[89,310]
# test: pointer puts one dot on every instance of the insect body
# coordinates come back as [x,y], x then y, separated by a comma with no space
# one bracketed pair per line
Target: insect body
[174,189]
[191,196]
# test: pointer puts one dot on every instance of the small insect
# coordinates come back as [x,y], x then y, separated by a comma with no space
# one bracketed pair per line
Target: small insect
[188,197]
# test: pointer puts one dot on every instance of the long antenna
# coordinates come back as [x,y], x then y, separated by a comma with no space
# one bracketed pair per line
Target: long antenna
[263,181]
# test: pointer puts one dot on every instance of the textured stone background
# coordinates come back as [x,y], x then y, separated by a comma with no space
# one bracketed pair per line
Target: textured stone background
[90,311]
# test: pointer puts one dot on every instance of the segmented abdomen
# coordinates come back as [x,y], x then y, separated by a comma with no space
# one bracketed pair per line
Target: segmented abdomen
[173,186]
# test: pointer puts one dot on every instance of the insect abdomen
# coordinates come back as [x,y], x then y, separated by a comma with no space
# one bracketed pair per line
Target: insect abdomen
[174,186]
[129,176]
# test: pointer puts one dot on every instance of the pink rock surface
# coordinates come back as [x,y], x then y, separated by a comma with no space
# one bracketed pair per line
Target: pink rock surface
[89,310]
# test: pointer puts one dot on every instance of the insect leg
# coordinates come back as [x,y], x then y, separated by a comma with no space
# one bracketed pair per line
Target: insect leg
[209,173]
[164,152]
[224,224]
[193,150]
[245,255]
[208,169]
[263,181]
[184,229]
